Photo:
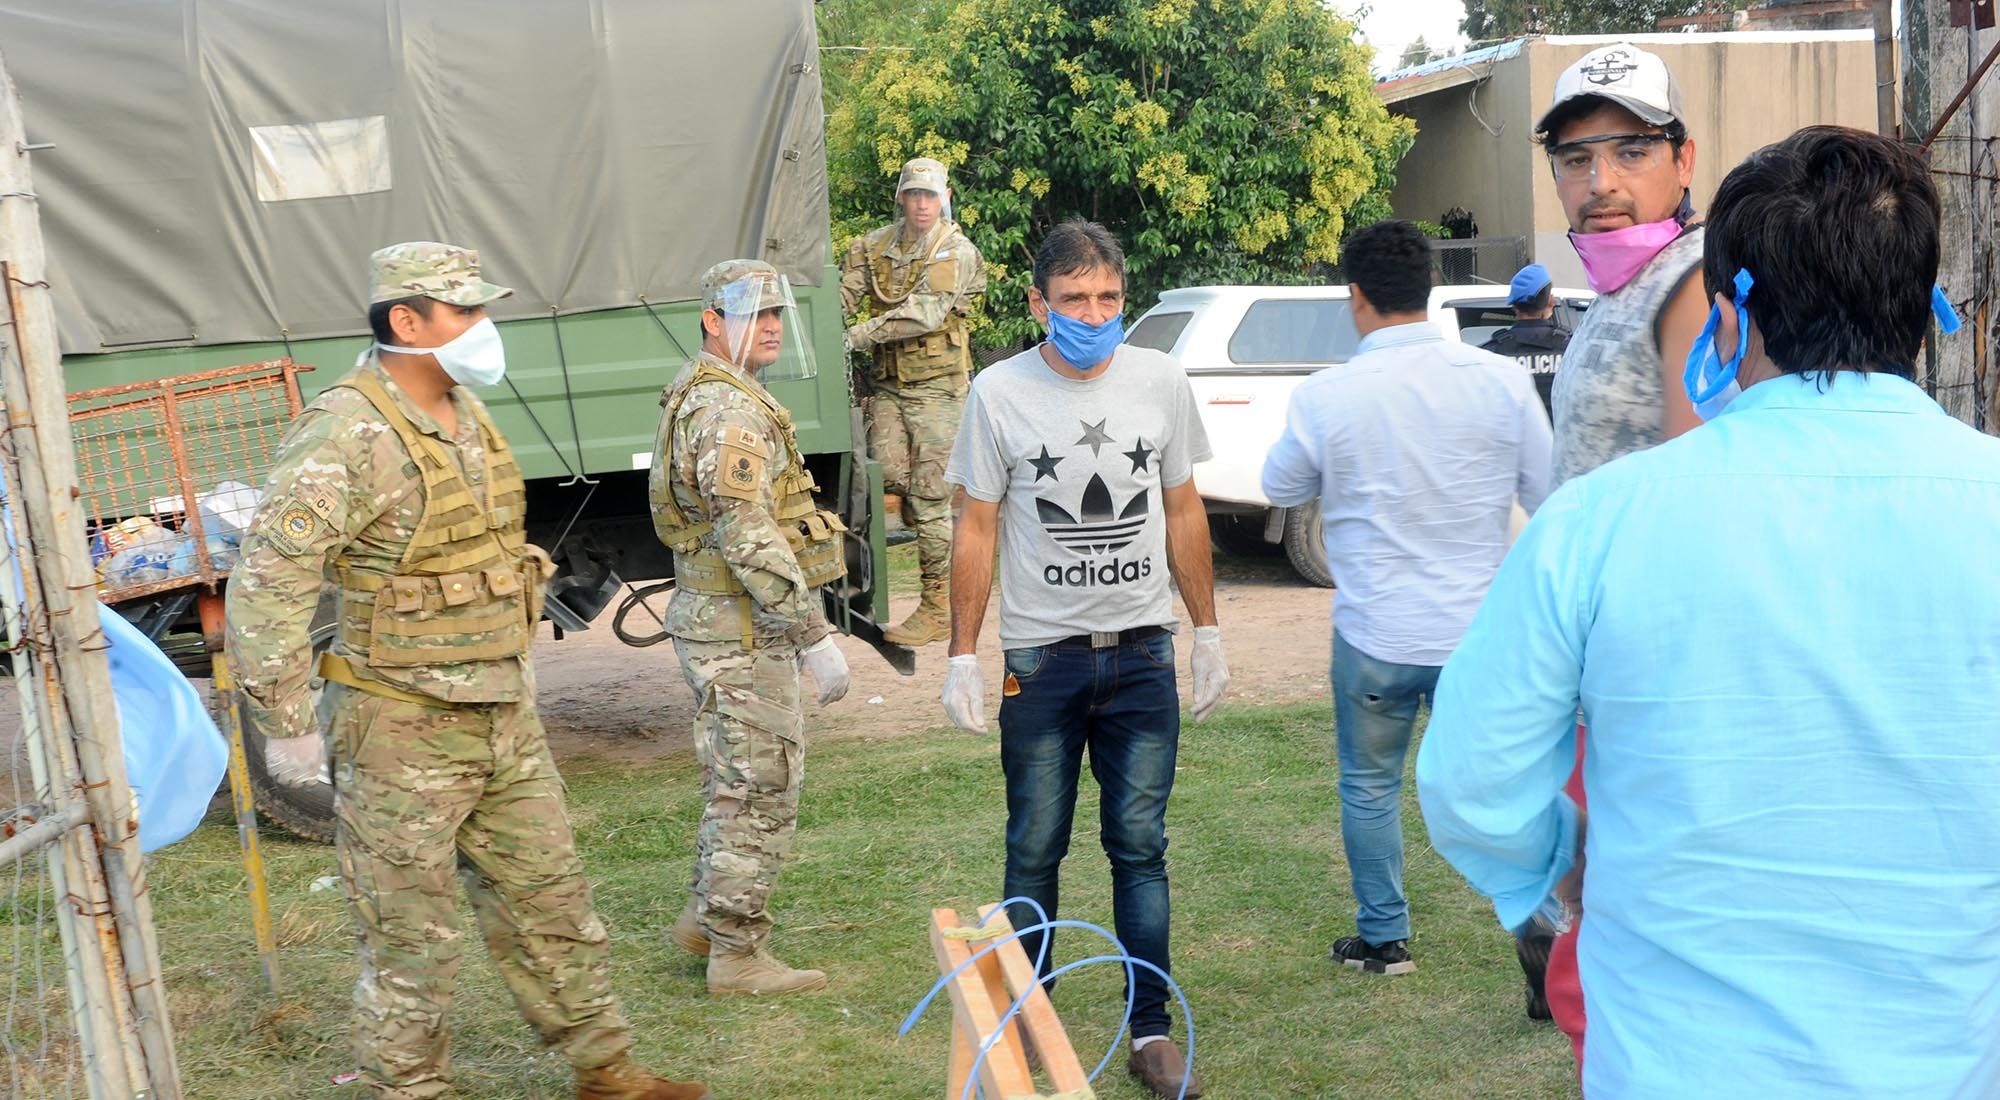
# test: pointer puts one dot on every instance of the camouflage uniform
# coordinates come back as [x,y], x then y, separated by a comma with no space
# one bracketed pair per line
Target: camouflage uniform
[440,764]
[730,497]
[921,292]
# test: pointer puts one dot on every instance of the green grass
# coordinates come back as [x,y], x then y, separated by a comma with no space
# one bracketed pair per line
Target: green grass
[891,828]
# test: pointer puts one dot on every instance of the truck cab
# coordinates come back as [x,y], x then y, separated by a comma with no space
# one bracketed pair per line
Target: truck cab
[1245,348]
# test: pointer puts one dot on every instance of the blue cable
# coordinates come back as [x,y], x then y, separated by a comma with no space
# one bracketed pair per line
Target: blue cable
[1014,1009]
[1187,1013]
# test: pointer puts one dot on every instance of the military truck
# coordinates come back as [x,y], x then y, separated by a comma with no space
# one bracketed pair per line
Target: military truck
[212,174]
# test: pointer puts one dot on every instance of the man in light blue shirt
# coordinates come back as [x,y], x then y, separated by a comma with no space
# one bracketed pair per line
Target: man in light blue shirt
[1415,450]
[1783,629]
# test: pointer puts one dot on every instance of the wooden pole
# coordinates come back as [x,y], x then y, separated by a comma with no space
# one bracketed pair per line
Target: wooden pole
[230,719]
[1885,67]
[81,898]
[72,664]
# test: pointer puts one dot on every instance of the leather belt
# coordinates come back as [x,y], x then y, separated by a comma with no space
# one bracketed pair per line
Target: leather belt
[1110,639]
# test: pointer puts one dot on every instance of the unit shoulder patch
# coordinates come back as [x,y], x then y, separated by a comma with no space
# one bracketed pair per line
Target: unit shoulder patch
[293,525]
[739,472]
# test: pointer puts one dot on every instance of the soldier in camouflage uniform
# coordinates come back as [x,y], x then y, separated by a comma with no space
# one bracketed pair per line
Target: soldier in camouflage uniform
[921,278]
[396,481]
[732,499]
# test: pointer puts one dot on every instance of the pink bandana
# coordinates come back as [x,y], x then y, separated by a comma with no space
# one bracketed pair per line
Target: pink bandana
[1611,259]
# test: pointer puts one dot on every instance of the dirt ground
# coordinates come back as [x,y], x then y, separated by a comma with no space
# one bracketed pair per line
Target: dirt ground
[601,698]
[605,700]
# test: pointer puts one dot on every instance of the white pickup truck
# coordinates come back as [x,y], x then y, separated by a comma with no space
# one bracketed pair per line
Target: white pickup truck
[1246,347]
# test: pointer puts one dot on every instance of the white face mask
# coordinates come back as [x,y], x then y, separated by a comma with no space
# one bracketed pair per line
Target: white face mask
[474,358]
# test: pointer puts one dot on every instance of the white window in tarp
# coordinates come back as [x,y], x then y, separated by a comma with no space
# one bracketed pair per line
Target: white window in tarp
[316,160]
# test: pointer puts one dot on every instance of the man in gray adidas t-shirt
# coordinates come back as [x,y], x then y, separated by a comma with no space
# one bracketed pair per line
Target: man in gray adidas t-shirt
[1076,458]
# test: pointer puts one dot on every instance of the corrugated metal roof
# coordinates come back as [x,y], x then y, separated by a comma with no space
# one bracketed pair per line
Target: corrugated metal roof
[1447,72]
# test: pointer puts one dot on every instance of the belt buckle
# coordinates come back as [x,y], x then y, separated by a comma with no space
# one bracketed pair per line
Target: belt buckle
[1104,639]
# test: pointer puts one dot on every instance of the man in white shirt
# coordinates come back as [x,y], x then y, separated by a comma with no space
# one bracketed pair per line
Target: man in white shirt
[1415,449]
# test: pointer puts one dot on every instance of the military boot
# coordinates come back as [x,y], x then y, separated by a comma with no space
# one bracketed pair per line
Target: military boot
[688,933]
[623,1080]
[754,971]
[930,622]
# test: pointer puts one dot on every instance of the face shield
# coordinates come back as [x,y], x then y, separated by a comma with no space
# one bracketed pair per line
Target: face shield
[762,331]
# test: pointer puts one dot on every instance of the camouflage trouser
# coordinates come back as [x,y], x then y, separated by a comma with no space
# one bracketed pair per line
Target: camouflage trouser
[910,430]
[749,736]
[421,792]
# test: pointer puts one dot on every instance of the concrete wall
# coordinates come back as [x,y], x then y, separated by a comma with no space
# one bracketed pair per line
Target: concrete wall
[1458,162]
[1742,91]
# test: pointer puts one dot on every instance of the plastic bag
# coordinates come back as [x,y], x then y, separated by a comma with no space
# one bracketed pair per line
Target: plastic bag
[227,510]
[148,561]
[174,755]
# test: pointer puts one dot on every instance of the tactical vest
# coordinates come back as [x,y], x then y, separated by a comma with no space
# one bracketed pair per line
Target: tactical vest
[934,354]
[812,532]
[469,587]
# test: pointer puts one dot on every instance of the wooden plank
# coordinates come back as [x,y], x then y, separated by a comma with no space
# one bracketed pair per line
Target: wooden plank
[1038,1015]
[963,1050]
[1004,1074]
[995,983]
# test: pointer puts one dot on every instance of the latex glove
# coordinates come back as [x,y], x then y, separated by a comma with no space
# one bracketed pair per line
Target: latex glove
[295,761]
[828,667]
[964,695]
[1211,672]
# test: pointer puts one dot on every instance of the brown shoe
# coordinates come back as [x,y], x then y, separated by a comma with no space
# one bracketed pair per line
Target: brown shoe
[1159,1067]
[688,933]
[623,1080]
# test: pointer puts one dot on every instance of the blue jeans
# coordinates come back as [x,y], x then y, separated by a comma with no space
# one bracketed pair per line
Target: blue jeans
[1122,704]
[1375,715]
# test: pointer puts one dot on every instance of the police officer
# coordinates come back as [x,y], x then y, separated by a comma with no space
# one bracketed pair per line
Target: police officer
[396,479]
[1533,338]
[921,279]
[732,498]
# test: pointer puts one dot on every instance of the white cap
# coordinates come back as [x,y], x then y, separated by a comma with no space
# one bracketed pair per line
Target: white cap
[1626,75]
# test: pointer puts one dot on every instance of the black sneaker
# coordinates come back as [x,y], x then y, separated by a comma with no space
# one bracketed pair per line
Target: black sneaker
[1532,948]
[1374,958]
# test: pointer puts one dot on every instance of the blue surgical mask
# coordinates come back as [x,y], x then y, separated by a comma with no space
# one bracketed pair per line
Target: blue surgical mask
[1710,381]
[1081,344]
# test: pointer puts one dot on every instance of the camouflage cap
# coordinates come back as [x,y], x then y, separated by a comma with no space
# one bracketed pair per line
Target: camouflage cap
[442,271]
[719,278]
[924,174]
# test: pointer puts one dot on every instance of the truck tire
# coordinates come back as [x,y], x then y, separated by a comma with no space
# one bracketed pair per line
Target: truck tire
[305,812]
[1305,544]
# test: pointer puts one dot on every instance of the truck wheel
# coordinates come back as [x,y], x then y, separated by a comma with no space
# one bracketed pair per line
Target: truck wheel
[1305,544]
[305,812]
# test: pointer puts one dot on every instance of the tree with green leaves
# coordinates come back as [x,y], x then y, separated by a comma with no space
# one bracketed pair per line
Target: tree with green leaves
[849,30]
[1416,53]
[1224,141]
[1492,20]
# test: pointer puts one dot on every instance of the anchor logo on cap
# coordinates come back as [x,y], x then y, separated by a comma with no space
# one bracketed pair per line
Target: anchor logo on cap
[1610,69]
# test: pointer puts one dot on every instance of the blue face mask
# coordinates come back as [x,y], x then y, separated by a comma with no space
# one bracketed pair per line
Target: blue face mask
[1711,382]
[1081,344]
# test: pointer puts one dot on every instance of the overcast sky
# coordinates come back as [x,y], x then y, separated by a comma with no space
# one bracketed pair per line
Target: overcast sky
[1390,25]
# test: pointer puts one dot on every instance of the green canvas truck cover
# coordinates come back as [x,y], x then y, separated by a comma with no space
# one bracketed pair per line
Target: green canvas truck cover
[221,169]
